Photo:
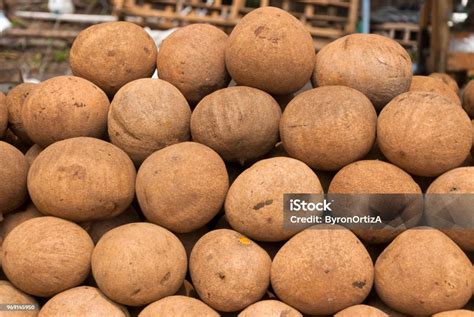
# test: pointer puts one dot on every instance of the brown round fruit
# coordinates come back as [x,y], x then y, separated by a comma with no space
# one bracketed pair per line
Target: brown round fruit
[271,50]
[322,262]
[468,98]
[228,270]
[254,204]
[82,179]
[269,308]
[46,255]
[33,153]
[3,115]
[178,306]
[113,54]
[147,115]
[13,173]
[82,301]
[375,65]
[192,59]
[64,107]
[424,133]
[448,80]
[434,85]
[13,220]
[148,263]
[9,295]
[455,313]
[240,123]
[182,187]
[329,127]
[423,272]
[15,101]
[361,310]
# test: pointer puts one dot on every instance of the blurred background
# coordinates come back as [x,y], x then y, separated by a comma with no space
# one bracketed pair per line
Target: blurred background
[36,34]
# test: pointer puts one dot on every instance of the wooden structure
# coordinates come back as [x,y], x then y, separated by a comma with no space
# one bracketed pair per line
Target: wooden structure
[404,33]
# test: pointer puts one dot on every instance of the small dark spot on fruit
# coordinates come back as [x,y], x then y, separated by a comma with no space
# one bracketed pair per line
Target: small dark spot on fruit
[453,189]
[359,284]
[326,271]
[263,204]
[135,292]
[165,278]
[221,275]
[259,30]
[146,50]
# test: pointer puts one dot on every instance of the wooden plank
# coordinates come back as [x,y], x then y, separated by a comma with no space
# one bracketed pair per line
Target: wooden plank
[441,10]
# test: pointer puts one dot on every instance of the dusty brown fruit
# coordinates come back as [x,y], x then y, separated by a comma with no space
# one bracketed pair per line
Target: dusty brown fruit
[240,123]
[113,54]
[15,101]
[449,206]
[3,115]
[329,127]
[271,50]
[33,153]
[148,263]
[269,308]
[434,85]
[228,270]
[254,204]
[322,262]
[13,220]
[192,59]
[455,313]
[147,115]
[361,310]
[182,187]
[448,80]
[424,133]
[375,65]
[82,179]
[423,272]
[9,294]
[13,173]
[468,98]
[46,255]
[64,107]
[178,306]
[82,301]
[364,183]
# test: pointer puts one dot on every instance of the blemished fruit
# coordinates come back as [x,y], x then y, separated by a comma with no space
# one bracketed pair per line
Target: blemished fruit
[448,80]
[269,308]
[361,310]
[254,203]
[13,175]
[182,187]
[113,54]
[240,123]
[228,270]
[271,50]
[434,85]
[64,107]
[82,179]
[375,65]
[192,59]
[329,127]
[15,101]
[468,98]
[322,262]
[423,272]
[147,115]
[82,301]
[178,306]
[9,294]
[3,115]
[424,133]
[148,263]
[46,255]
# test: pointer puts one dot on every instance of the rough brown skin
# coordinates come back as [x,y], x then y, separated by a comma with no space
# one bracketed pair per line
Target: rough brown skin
[13,220]
[361,310]
[240,123]
[434,85]
[13,173]
[448,80]
[113,54]
[441,215]
[228,270]
[375,65]
[424,134]
[423,272]
[454,313]
[271,50]
[64,107]
[3,115]
[46,255]
[329,127]
[178,306]
[82,301]
[192,59]
[147,115]
[468,98]
[377,177]
[82,179]
[254,203]
[9,294]
[15,101]
[269,308]
[312,265]
[33,153]
[182,187]
[148,263]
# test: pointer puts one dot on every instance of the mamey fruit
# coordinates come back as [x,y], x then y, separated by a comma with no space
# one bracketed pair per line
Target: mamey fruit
[361,310]
[448,80]
[269,308]
[9,294]
[178,306]
[15,101]
[434,85]
[3,115]
[33,153]
[468,99]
